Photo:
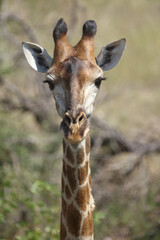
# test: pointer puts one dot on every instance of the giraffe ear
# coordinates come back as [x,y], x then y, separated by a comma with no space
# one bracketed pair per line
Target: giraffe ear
[110,55]
[37,56]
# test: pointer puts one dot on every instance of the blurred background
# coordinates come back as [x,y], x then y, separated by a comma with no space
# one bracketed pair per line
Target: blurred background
[125,127]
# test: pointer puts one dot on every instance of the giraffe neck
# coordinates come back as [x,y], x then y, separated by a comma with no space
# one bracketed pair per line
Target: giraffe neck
[77,200]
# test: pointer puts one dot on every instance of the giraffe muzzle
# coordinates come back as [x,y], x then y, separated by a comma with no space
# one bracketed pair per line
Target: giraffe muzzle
[75,126]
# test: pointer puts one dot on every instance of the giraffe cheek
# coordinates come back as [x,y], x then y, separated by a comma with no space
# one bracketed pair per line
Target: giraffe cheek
[89,100]
[89,110]
[60,109]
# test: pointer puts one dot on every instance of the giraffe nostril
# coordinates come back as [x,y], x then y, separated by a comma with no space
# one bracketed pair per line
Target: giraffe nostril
[71,119]
[81,118]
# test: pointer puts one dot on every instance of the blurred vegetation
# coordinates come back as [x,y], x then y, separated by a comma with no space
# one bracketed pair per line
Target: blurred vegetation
[29,201]
[127,198]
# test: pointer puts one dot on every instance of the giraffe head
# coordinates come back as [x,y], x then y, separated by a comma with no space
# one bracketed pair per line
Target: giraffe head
[74,75]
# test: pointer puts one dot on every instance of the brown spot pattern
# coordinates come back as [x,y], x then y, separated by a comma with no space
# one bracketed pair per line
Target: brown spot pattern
[83,173]
[83,197]
[69,155]
[63,184]
[68,192]
[71,214]
[83,50]
[71,177]
[64,168]
[87,144]
[63,232]
[64,207]
[80,156]
[90,181]
[87,228]
[73,220]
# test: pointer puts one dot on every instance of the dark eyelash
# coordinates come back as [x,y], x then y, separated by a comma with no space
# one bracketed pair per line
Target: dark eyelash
[50,83]
[103,78]
[98,81]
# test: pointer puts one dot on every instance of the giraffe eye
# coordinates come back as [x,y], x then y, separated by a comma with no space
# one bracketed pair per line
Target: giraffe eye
[98,81]
[50,83]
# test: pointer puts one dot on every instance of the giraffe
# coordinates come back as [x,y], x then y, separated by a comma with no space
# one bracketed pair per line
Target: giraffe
[74,76]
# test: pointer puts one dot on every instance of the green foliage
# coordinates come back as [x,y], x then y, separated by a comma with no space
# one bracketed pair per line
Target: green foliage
[98,217]
[5,69]
[30,208]
[138,216]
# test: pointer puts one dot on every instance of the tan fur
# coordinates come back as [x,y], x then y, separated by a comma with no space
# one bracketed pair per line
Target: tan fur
[90,181]
[87,229]
[64,208]
[80,155]
[71,176]
[69,155]
[87,144]
[83,173]
[64,169]
[73,220]
[68,192]
[77,200]
[63,231]
[83,197]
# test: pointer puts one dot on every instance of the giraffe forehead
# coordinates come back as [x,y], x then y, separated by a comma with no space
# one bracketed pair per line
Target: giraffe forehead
[77,70]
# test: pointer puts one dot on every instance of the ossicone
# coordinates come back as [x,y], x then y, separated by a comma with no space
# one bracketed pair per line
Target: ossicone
[89,28]
[60,29]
